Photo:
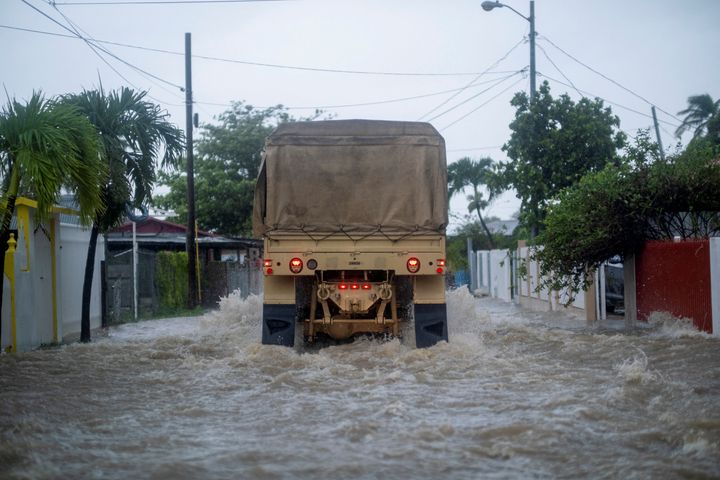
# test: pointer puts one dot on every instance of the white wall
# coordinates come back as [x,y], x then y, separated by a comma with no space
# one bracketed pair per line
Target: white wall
[33,284]
[494,277]
[71,272]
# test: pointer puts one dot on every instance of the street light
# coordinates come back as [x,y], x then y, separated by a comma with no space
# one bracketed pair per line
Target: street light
[488,5]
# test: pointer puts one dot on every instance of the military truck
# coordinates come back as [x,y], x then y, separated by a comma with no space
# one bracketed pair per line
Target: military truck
[353,216]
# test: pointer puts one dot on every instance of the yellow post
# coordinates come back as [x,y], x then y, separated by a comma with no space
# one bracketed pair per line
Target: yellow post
[23,223]
[10,273]
[197,263]
[53,267]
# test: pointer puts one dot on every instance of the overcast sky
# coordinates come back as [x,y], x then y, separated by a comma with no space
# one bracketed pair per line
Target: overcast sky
[662,50]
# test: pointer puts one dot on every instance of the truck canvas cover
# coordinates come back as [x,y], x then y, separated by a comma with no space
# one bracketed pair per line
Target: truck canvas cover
[352,176]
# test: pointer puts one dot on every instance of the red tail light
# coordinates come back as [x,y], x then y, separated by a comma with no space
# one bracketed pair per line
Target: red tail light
[413,265]
[342,286]
[296,265]
[354,286]
[267,263]
[441,262]
[366,286]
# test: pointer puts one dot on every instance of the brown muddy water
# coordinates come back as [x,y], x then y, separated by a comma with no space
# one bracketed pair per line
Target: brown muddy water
[513,395]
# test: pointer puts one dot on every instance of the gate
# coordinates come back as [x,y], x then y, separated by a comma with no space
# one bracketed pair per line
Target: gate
[674,277]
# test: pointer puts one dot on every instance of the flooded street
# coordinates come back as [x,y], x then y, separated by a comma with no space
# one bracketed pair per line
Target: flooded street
[513,395]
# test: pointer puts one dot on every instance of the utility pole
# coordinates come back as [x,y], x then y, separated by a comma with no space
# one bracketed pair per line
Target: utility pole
[192,300]
[657,133]
[531,19]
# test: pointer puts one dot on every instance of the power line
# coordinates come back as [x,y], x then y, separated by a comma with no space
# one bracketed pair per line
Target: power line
[473,149]
[558,69]
[78,35]
[474,96]
[482,104]
[610,79]
[163,2]
[90,43]
[89,40]
[93,48]
[496,63]
[586,93]
[365,104]
[265,64]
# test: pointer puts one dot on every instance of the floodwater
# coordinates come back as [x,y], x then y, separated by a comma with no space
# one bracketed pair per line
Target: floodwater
[513,395]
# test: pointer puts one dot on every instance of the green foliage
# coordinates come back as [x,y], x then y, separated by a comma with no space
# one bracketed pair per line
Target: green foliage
[226,166]
[703,117]
[554,142]
[475,174]
[46,145]
[171,279]
[135,134]
[615,210]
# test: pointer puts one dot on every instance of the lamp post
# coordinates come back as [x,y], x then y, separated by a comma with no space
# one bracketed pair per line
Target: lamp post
[488,5]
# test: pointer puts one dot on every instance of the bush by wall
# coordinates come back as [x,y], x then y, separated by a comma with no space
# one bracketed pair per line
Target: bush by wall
[171,279]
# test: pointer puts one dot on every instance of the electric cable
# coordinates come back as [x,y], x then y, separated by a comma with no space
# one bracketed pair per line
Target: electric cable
[474,96]
[264,64]
[496,63]
[97,53]
[558,69]
[88,39]
[365,104]
[543,37]
[586,93]
[162,2]
[482,104]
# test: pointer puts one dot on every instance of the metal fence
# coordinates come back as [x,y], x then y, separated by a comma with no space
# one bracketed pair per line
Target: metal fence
[217,279]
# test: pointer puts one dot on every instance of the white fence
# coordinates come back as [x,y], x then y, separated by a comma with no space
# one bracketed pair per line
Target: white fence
[497,273]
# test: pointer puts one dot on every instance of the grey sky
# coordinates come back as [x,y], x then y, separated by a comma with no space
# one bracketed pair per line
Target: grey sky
[663,50]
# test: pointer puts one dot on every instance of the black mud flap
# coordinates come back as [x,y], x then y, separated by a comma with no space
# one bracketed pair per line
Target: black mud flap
[278,326]
[430,324]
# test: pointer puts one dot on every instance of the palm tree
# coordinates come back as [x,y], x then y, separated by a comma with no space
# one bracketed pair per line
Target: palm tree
[702,115]
[135,133]
[467,172]
[46,145]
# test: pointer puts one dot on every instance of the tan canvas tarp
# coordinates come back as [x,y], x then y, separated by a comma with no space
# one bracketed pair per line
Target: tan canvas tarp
[352,175]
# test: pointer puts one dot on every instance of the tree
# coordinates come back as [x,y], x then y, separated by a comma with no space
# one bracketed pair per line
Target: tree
[134,134]
[615,210]
[702,116]
[554,142]
[226,166]
[475,174]
[46,145]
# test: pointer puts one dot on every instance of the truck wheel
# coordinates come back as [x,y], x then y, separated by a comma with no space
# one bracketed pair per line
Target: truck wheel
[430,324]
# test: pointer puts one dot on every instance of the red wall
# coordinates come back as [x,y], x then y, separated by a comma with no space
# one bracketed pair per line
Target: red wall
[675,277]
